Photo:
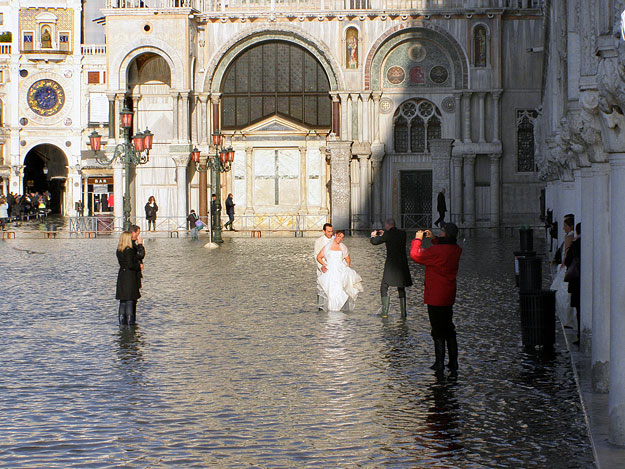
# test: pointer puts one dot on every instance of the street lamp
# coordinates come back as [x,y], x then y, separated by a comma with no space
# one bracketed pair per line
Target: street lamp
[220,162]
[131,152]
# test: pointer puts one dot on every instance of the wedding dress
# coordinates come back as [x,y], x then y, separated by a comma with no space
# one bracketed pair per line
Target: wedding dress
[339,285]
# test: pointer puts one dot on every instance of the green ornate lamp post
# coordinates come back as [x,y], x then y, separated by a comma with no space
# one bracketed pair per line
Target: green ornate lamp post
[132,152]
[220,162]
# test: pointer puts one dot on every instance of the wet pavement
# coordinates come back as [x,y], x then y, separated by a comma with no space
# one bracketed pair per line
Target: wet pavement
[231,365]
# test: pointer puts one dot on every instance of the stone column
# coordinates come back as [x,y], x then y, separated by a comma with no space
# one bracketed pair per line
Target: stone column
[456,207]
[482,134]
[185,126]
[364,191]
[366,113]
[203,126]
[344,118]
[588,233]
[440,149]
[336,114]
[249,180]
[466,105]
[377,156]
[303,187]
[495,185]
[340,190]
[119,104]
[350,118]
[215,99]
[359,127]
[203,188]
[458,114]
[175,98]
[376,116]
[118,194]
[469,190]
[181,162]
[112,115]
[136,98]
[496,124]
[601,280]
[616,425]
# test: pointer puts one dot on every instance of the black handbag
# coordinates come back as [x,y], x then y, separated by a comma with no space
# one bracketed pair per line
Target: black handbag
[572,271]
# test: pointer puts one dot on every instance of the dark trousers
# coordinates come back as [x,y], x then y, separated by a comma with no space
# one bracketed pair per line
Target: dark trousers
[230,220]
[441,218]
[127,314]
[441,320]
[152,223]
[384,290]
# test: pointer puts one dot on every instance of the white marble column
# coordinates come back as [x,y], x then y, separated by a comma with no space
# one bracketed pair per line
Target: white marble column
[458,114]
[249,181]
[482,117]
[456,208]
[350,117]
[364,191]
[496,116]
[203,131]
[185,126]
[175,99]
[360,114]
[344,117]
[469,190]
[601,285]
[588,233]
[112,116]
[181,162]
[366,113]
[118,194]
[495,187]
[340,190]
[616,427]
[376,116]
[466,127]
[303,182]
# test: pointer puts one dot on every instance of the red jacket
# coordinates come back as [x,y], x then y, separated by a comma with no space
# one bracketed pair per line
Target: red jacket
[441,269]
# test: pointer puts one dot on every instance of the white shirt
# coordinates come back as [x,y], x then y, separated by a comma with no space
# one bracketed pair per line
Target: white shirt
[320,243]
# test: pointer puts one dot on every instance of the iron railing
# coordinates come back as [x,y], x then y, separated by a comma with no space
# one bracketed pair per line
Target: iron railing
[416,221]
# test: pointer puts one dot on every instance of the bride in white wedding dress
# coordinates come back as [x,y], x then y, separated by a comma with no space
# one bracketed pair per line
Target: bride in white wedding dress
[339,284]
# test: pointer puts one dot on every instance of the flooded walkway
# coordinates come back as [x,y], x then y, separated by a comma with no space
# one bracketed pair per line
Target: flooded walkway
[232,365]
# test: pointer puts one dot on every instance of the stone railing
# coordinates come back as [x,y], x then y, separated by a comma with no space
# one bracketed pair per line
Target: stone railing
[93,49]
[242,6]
[5,49]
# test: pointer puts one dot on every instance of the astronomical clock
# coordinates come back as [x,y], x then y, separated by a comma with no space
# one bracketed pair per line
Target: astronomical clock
[45,99]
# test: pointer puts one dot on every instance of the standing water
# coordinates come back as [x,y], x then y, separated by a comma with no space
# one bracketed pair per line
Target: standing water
[231,364]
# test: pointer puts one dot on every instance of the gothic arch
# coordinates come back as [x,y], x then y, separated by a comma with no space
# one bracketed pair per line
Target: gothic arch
[222,59]
[123,59]
[417,30]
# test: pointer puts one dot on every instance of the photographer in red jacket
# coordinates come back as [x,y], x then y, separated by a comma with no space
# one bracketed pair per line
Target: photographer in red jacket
[441,268]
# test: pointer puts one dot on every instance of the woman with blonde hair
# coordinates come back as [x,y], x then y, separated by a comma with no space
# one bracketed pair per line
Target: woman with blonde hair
[128,279]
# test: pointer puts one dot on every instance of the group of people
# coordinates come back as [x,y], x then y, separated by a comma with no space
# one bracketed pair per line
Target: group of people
[17,207]
[338,284]
[567,260]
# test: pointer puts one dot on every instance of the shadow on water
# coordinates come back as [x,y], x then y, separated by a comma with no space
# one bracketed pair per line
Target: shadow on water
[232,365]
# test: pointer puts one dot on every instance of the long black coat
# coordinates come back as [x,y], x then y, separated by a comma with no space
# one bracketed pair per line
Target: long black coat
[396,271]
[150,212]
[129,276]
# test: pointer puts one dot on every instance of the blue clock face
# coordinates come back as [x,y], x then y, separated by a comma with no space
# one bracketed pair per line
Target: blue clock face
[46,97]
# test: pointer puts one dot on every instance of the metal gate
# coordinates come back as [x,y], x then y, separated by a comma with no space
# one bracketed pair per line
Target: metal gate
[415,199]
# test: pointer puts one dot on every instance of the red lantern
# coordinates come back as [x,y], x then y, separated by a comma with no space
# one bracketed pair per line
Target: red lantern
[139,142]
[216,138]
[195,155]
[126,117]
[223,156]
[230,155]
[95,141]
[147,139]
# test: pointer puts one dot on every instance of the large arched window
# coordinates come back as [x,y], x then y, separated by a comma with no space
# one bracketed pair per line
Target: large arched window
[275,78]
[416,122]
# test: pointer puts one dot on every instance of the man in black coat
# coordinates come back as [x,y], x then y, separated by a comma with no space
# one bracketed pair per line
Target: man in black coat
[230,212]
[441,207]
[396,271]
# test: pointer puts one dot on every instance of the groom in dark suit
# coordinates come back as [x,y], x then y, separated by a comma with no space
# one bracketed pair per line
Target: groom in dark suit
[396,271]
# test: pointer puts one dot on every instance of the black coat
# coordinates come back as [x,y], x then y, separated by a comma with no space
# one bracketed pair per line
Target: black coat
[129,276]
[150,212]
[229,206]
[441,205]
[396,271]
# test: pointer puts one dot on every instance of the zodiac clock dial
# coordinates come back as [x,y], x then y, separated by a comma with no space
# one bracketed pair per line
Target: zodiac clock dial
[46,97]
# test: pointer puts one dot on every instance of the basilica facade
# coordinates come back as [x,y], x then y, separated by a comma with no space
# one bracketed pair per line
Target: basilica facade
[350,111]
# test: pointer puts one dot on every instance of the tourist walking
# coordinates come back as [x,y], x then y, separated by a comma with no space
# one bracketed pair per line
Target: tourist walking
[4,213]
[396,271]
[441,207]
[230,212]
[192,222]
[150,213]
[128,279]
[339,284]
[573,270]
[560,285]
[441,269]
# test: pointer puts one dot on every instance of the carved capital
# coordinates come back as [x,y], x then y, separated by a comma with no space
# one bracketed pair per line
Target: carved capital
[215,98]
[181,160]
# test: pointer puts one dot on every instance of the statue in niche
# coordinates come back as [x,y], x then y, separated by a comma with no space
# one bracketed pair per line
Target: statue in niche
[351,42]
[46,38]
[479,47]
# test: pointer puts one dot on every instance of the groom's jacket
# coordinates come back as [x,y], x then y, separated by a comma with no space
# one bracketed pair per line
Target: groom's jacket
[441,269]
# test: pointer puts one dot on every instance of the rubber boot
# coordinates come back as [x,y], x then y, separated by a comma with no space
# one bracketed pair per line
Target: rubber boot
[386,302]
[452,348]
[123,313]
[439,350]
[132,312]
[402,306]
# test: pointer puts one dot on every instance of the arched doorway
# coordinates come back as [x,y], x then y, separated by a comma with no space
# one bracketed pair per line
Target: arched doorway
[45,170]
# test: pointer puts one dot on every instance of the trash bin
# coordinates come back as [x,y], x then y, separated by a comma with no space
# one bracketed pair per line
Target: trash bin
[530,274]
[517,256]
[538,318]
